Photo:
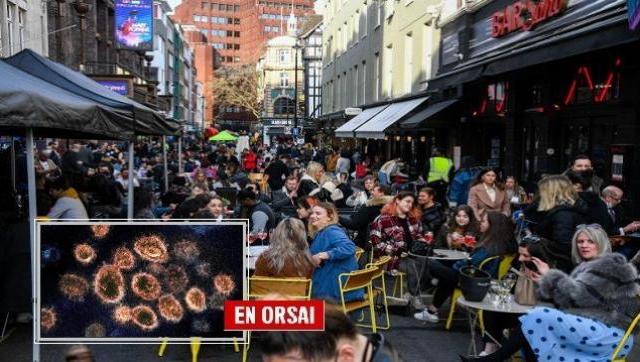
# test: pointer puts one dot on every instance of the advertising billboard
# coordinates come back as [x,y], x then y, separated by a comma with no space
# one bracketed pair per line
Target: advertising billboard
[634,13]
[134,24]
[120,86]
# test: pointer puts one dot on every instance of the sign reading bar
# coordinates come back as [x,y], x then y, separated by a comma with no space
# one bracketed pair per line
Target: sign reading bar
[525,15]
[274,315]
[134,24]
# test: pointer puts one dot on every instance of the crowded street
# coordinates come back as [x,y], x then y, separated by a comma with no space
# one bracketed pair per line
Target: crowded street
[328,180]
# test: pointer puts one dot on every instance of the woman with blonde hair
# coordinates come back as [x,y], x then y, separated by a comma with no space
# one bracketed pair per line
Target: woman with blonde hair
[288,254]
[311,180]
[560,211]
[333,253]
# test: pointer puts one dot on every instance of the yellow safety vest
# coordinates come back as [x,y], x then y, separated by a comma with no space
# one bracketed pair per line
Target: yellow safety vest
[439,169]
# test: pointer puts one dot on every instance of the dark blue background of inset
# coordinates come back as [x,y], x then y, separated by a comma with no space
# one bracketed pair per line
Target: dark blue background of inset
[220,246]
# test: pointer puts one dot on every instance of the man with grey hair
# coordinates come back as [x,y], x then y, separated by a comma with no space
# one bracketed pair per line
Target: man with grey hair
[612,196]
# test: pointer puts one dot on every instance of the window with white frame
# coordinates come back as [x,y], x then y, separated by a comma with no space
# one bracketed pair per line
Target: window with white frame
[283,56]
[428,49]
[356,26]
[408,62]
[376,77]
[355,84]
[388,71]
[364,22]
[363,81]
[284,79]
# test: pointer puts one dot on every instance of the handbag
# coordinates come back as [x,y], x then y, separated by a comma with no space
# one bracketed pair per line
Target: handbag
[421,248]
[525,292]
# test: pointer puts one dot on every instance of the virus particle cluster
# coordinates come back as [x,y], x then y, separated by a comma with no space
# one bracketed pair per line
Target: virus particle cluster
[122,314]
[196,300]
[95,330]
[100,231]
[216,301]
[170,308]
[201,326]
[124,259]
[146,286]
[186,250]
[224,284]
[175,279]
[73,287]
[48,319]
[144,317]
[109,284]
[203,270]
[151,248]
[84,254]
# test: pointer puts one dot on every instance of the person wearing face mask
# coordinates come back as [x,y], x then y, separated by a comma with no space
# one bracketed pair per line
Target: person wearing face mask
[340,341]
[332,252]
[497,240]
[487,194]
[593,305]
[463,223]
[394,233]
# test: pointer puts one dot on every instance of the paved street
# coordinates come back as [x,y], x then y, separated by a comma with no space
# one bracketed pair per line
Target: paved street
[414,341]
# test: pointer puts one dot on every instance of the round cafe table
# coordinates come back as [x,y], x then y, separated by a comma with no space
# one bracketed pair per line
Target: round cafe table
[474,309]
[449,254]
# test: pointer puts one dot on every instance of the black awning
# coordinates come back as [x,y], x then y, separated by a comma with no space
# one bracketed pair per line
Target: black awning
[415,120]
[30,102]
[607,33]
[147,121]
[457,76]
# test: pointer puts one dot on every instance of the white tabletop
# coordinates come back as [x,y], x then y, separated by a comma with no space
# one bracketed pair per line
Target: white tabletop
[254,252]
[448,254]
[487,305]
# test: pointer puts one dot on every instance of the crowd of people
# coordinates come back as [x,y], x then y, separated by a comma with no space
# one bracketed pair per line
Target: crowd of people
[314,206]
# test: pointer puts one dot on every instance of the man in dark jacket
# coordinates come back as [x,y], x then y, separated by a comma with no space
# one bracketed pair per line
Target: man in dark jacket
[283,200]
[260,215]
[361,219]
[433,216]
[276,172]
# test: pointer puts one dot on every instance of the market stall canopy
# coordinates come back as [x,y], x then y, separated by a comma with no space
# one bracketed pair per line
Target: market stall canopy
[210,132]
[147,121]
[30,102]
[223,136]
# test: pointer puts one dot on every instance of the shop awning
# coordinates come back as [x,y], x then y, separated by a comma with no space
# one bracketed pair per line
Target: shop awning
[415,120]
[376,126]
[347,129]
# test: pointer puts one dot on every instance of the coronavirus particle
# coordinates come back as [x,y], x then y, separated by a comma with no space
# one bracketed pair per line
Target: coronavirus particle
[100,230]
[196,300]
[144,317]
[156,269]
[124,259]
[85,254]
[224,284]
[175,279]
[122,314]
[216,301]
[203,270]
[146,286]
[73,286]
[109,284]
[95,330]
[48,319]
[151,248]
[170,308]
[186,250]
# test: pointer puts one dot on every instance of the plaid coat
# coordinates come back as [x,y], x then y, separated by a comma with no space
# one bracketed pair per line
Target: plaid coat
[387,236]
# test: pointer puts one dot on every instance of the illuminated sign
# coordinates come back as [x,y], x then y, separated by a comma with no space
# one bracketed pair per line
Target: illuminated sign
[634,13]
[120,86]
[134,24]
[525,15]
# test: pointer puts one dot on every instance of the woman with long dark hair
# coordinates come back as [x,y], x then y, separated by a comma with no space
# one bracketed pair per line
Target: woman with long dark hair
[487,194]
[463,223]
[497,240]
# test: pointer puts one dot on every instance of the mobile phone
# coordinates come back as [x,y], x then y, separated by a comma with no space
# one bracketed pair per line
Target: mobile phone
[531,266]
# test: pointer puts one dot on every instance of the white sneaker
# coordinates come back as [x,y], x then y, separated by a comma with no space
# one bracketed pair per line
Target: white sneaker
[426,316]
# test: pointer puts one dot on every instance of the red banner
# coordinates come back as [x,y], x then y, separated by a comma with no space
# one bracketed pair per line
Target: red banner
[273,315]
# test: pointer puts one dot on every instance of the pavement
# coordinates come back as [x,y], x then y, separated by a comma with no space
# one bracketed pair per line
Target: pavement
[414,340]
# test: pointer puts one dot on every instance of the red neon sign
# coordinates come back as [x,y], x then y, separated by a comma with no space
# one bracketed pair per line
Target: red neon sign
[599,95]
[525,15]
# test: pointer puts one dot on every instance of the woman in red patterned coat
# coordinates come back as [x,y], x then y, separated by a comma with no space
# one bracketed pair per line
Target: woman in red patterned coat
[393,233]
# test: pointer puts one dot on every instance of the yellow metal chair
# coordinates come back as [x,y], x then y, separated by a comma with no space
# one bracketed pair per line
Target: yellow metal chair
[503,268]
[359,252]
[195,348]
[290,288]
[381,264]
[360,280]
[623,340]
